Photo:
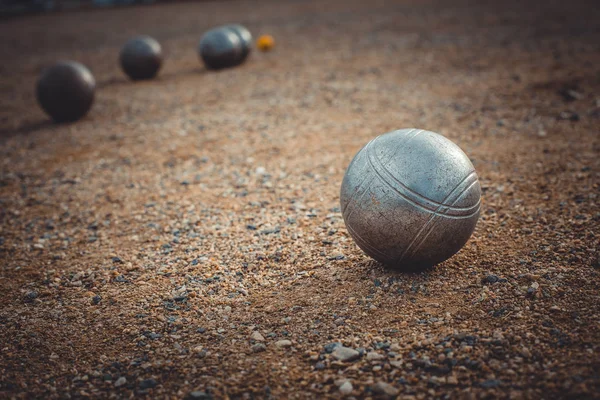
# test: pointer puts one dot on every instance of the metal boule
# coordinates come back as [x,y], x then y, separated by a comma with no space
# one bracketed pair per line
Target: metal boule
[65,91]
[141,58]
[221,48]
[410,199]
[245,36]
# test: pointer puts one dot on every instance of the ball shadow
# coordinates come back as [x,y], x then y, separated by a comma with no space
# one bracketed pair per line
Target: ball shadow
[411,271]
[161,77]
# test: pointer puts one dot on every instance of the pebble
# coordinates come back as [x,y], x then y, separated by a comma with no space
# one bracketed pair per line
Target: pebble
[345,354]
[257,336]
[32,295]
[373,356]
[491,383]
[331,346]
[346,388]
[568,115]
[120,382]
[199,395]
[258,348]
[385,389]
[148,383]
[283,343]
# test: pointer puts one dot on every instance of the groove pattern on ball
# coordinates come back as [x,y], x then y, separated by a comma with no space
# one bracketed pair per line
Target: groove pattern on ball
[410,198]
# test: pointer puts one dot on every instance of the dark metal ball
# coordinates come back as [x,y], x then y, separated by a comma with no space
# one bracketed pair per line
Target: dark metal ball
[410,199]
[245,37]
[65,91]
[221,48]
[141,58]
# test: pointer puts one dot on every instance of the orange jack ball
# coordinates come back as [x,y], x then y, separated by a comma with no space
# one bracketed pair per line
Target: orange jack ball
[265,42]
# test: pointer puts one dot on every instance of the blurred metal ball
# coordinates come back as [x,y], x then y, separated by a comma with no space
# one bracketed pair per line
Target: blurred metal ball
[221,48]
[141,58]
[245,36]
[410,199]
[65,91]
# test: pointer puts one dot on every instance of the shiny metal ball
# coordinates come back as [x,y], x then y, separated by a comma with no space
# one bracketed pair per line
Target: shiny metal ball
[141,58]
[245,36]
[65,91]
[221,48]
[410,199]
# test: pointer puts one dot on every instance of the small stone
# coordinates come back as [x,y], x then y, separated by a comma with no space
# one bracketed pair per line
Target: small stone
[569,115]
[531,291]
[198,349]
[491,383]
[256,336]
[319,366]
[199,395]
[148,383]
[491,279]
[542,132]
[373,356]
[331,346]
[385,389]
[346,388]
[452,380]
[32,295]
[283,343]
[570,94]
[96,300]
[120,382]
[258,348]
[345,354]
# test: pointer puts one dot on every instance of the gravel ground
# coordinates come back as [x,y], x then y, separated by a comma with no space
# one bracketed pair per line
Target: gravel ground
[184,240]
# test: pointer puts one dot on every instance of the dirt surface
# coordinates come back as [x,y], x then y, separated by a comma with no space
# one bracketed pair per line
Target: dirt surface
[185,239]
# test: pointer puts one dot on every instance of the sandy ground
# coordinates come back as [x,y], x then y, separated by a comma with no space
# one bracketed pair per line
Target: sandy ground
[185,239]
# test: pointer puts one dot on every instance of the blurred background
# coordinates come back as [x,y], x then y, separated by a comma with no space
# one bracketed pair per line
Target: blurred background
[18,7]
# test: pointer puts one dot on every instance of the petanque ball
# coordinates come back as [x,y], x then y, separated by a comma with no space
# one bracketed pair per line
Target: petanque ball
[244,35]
[221,48]
[410,199]
[141,58]
[65,91]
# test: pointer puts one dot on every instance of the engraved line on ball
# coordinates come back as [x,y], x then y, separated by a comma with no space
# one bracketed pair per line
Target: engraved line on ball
[413,197]
[354,199]
[433,215]
[436,218]
[438,214]
[409,192]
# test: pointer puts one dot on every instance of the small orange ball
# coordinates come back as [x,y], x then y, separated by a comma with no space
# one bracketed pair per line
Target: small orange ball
[265,42]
